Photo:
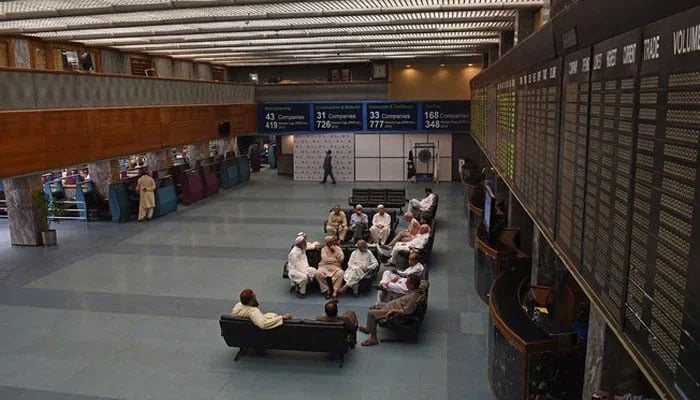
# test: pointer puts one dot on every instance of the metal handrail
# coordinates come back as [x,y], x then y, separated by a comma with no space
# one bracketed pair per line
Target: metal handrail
[3,207]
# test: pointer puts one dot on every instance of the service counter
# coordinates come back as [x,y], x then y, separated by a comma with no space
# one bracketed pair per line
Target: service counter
[229,173]
[528,359]
[475,212]
[166,196]
[494,256]
[244,169]
[190,185]
[210,179]
[123,199]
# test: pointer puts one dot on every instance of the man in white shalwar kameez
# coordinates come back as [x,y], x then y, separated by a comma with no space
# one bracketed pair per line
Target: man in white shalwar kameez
[381,225]
[416,243]
[298,269]
[423,205]
[393,282]
[146,188]
[331,266]
[248,308]
[361,262]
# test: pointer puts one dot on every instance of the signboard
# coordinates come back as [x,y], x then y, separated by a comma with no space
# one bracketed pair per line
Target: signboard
[445,115]
[339,117]
[283,118]
[433,116]
[392,117]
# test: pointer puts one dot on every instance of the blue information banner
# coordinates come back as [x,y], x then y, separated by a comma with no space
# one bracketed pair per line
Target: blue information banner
[283,118]
[428,116]
[383,117]
[338,117]
[446,116]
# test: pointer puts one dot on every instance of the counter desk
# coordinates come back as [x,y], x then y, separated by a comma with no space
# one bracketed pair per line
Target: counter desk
[190,185]
[526,360]
[494,256]
[166,196]
[210,179]
[229,173]
[244,169]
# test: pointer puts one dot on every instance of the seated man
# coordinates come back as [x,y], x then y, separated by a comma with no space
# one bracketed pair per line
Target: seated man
[248,308]
[337,224]
[310,244]
[408,233]
[358,223]
[331,266]
[348,318]
[360,263]
[298,269]
[417,243]
[420,206]
[393,282]
[381,225]
[404,305]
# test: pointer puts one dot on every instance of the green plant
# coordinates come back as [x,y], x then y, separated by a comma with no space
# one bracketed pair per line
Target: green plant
[47,210]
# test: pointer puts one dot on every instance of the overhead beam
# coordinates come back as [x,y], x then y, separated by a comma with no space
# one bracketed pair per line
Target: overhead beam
[153,20]
[196,46]
[145,41]
[179,5]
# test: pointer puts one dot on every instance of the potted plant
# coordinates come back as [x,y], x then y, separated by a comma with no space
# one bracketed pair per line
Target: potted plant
[47,211]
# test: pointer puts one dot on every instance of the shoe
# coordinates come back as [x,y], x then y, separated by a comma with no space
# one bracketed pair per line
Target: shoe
[302,295]
[327,295]
[292,289]
[333,182]
[322,183]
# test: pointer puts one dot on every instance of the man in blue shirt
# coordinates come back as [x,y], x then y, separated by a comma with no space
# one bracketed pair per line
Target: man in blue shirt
[359,223]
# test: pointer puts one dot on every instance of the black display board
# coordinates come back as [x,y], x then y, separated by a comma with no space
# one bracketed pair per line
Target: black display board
[479,115]
[521,158]
[664,299]
[612,130]
[445,115]
[492,121]
[505,140]
[573,144]
[338,117]
[383,117]
[283,118]
[542,89]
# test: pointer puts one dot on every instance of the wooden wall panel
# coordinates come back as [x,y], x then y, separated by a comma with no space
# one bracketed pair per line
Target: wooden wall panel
[35,141]
[67,135]
[22,143]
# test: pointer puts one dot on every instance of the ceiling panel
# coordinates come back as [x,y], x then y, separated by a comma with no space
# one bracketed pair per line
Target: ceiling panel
[265,31]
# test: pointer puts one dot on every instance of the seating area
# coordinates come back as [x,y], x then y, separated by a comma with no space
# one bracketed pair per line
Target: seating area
[390,198]
[304,335]
[298,335]
[370,213]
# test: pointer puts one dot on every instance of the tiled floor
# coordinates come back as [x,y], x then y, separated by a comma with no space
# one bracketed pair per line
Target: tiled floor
[129,311]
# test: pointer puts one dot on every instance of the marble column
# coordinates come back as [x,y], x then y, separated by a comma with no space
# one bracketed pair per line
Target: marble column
[102,173]
[608,366]
[24,218]
[159,160]
[21,53]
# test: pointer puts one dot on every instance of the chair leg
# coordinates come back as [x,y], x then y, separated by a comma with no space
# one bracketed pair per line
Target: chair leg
[342,359]
[241,353]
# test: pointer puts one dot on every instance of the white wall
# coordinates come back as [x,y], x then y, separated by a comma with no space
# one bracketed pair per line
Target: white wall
[382,157]
[310,150]
[364,157]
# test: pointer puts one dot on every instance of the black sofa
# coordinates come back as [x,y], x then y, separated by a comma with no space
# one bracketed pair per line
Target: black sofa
[314,257]
[299,335]
[390,198]
[370,213]
[407,327]
[423,254]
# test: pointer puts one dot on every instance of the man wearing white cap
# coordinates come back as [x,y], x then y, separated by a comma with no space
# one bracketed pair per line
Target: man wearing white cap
[381,225]
[361,262]
[299,271]
[311,245]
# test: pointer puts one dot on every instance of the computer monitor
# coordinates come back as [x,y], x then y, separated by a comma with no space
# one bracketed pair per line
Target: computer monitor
[489,206]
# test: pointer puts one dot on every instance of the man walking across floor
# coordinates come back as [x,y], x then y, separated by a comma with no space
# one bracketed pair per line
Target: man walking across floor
[146,188]
[328,167]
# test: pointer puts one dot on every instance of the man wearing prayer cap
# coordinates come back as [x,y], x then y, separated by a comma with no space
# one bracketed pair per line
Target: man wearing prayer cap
[298,269]
[331,266]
